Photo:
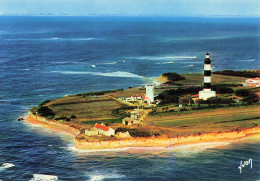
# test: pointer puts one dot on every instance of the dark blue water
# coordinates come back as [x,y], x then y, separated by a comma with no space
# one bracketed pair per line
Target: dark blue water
[48,57]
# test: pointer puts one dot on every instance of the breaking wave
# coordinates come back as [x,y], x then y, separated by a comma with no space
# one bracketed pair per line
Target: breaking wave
[43,177]
[56,38]
[6,165]
[248,60]
[72,148]
[170,39]
[190,62]
[51,39]
[164,57]
[181,57]
[101,175]
[192,149]
[165,63]
[69,39]
[105,74]
[109,63]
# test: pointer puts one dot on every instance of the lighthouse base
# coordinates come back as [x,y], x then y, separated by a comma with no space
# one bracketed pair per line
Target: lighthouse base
[205,94]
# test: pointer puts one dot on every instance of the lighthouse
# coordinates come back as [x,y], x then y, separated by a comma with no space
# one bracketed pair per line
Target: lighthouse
[207,91]
[149,93]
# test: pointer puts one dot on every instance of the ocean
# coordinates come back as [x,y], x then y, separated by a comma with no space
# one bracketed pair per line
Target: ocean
[49,57]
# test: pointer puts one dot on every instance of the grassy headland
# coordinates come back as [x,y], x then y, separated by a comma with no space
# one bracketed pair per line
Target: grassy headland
[167,119]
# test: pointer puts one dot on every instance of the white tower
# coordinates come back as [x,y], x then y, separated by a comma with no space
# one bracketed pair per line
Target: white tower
[207,92]
[150,92]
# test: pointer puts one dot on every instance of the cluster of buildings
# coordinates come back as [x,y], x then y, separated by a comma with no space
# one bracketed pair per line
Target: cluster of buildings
[147,98]
[136,118]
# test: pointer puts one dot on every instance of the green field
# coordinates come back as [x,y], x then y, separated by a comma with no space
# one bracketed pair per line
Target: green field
[197,79]
[217,119]
[85,108]
[209,121]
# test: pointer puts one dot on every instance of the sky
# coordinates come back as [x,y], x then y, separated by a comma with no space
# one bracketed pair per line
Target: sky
[133,7]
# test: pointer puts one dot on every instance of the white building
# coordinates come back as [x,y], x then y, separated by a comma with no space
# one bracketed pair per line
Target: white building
[104,130]
[205,94]
[149,93]
[91,132]
[123,134]
[135,115]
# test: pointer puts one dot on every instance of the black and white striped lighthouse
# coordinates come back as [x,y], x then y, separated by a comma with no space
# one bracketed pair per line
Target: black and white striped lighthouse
[207,73]
[207,92]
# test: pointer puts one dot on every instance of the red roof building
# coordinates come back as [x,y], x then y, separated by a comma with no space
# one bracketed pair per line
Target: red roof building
[136,97]
[100,126]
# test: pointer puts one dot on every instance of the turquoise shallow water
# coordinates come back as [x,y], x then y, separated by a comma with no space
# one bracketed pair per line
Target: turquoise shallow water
[48,57]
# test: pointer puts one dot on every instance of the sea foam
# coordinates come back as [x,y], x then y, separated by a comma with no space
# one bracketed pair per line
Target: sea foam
[248,60]
[191,149]
[164,57]
[43,177]
[165,63]
[105,74]
[70,39]
[56,38]
[170,39]
[109,63]
[72,148]
[51,39]
[6,165]
[101,175]
[185,62]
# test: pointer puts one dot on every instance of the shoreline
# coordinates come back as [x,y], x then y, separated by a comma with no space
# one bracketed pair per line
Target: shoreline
[160,80]
[54,126]
[167,142]
[141,141]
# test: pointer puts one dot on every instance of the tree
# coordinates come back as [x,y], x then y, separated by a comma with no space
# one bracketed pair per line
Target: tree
[172,76]
[216,100]
[243,92]
[45,111]
[223,89]
[187,99]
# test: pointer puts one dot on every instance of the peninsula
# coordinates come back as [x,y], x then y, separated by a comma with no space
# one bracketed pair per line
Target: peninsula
[128,118]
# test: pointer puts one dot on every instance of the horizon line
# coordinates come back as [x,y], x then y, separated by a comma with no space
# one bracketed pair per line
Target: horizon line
[125,15]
